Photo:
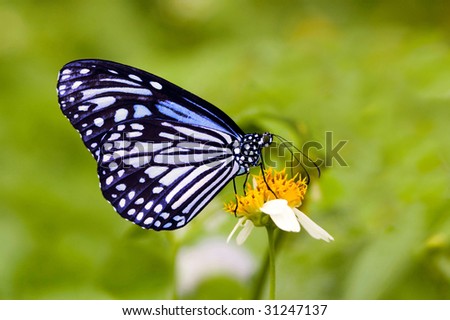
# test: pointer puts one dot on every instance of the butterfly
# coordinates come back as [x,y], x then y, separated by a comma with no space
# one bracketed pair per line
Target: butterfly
[162,152]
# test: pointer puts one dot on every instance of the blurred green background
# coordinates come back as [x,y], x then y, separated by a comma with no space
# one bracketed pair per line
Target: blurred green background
[374,73]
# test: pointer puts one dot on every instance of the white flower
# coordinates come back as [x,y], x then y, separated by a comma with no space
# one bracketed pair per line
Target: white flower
[275,197]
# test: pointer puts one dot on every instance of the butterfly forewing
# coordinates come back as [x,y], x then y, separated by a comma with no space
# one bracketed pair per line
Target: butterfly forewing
[95,95]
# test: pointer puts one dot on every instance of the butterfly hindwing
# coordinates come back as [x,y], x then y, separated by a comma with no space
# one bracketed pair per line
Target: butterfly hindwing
[160,174]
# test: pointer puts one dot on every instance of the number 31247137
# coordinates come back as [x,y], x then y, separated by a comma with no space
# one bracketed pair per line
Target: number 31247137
[298,309]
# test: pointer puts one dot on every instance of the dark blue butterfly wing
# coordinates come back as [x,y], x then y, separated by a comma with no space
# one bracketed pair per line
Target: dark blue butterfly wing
[162,152]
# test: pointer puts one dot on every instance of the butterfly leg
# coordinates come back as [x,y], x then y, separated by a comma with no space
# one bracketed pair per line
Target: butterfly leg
[245,183]
[235,194]
[261,165]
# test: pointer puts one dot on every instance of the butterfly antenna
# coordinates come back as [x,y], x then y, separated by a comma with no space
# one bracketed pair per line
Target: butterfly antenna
[289,145]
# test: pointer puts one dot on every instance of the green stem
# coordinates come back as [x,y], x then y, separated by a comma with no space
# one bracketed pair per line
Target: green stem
[174,244]
[272,276]
[261,277]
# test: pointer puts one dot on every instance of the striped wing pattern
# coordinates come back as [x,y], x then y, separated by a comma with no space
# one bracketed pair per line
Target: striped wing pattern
[162,152]
[161,174]
[95,95]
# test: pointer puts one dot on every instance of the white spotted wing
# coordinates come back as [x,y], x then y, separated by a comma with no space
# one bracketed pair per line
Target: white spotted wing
[162,152]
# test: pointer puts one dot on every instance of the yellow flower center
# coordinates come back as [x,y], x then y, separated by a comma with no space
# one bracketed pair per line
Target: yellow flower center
[293,190]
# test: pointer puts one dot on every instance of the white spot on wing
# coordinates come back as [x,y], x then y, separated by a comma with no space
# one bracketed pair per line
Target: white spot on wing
[141,111]
[114,136]
[107,146]
[170,136]
[137,126]
[121,114]
[148,205]
[99,122]
[121,187]
[148,221]
[76,84]
[90,93]
[155,171]
[103,102]
[181,223]
[164,215]
[134,134]
[106,157]
[157,190]
[113,166]
[134,77]
[156,85]
[109,180]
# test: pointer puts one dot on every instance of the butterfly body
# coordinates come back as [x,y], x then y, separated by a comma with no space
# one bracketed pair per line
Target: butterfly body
[162,152]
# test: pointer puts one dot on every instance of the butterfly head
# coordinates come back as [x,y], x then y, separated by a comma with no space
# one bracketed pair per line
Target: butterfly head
[266,139]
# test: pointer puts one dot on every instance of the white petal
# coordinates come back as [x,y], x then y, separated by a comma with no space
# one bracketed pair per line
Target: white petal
[238,224]
[255,183]
[281,214]
[245,232]
[311,227]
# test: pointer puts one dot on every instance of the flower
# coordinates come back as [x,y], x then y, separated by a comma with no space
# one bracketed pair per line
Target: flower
[273,198]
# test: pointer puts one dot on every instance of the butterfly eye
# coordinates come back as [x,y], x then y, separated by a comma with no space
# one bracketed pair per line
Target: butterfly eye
[162,152]
[267,139]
